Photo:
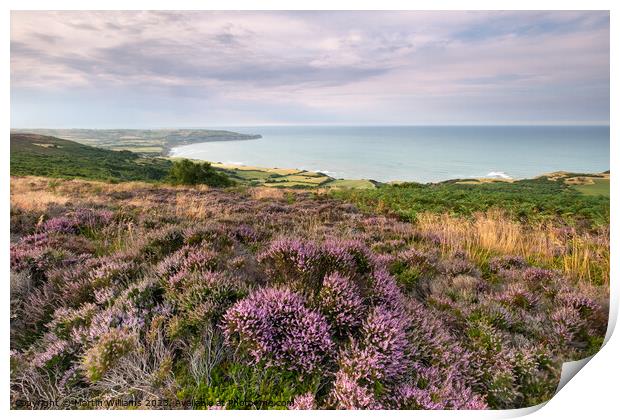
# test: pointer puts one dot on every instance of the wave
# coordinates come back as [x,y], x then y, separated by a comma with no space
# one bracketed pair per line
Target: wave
[498,174]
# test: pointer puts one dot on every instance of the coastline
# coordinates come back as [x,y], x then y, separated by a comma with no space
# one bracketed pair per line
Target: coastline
[168,148]
[300,178]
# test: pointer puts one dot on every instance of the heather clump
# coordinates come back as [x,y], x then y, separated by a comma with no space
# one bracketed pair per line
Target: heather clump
[161,243]
[114,272]
[290,260]
[506,262]
[348,256]
[304,263]
[201,302]
[275,327]
[108,350]
[78,220]
[303,402]
[187,260]
[348,394]
[61,224]
[341,302]
[288,300]
[380,353]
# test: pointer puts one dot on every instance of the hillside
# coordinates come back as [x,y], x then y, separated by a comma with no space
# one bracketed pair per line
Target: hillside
[146,142]
[34,154]
[573,199]
[265,298]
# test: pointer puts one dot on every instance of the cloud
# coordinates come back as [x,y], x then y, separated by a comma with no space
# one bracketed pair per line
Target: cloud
[332,67]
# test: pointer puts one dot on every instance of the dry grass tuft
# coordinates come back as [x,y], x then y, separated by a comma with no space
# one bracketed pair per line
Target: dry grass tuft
[265,193]
[582,256]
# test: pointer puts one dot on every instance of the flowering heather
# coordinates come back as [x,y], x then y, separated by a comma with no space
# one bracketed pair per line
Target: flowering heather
[412,398]
[291,258]
[538,276]
[347,394]
[161,243]
[61,224]
[517,295]
[303,402]
[245,234]
[384,336]
[507,262]
[415,257]
[80,218]
[381,353]
[458,265]
[341,303]
[275,327]
[383,288]
[291,297]
[92,218]
[345,256]
[114,272]
[54,348]
[187,260]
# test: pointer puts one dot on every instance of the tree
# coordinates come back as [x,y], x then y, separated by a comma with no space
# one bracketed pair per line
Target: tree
[188,172]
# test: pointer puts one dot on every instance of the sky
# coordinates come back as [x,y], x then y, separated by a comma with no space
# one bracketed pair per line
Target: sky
[135,69]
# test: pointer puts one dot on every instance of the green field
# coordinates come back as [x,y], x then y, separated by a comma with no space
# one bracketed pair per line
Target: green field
[308,179]
[600,187]
[363,184]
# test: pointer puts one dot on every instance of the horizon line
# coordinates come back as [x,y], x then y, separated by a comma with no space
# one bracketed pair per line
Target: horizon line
[189,127]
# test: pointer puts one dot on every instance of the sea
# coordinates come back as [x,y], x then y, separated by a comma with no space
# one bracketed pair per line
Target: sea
[415,153]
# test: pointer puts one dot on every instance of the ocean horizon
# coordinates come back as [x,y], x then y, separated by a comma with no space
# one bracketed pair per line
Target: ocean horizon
[415,153]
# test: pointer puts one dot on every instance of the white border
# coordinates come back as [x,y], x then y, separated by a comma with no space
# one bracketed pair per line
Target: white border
[591,394]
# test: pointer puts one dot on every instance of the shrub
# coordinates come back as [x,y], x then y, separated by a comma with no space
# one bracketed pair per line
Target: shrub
[109,349]
[292,260]
[348,394]
[274,327]
[507,262]
[199,300]
[161,243]
[191,173]
[303,402]
[377,360]
[341,303]
[114,271]
[345,256]
[185,261]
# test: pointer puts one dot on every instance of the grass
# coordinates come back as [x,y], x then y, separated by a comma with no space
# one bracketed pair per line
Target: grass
[307,179]
[250,175]
[274,177]
[599,187]
[243,168]
[583,257]
[363,184]
[289,184]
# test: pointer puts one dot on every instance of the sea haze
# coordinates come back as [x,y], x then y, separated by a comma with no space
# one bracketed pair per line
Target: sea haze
[415,153]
